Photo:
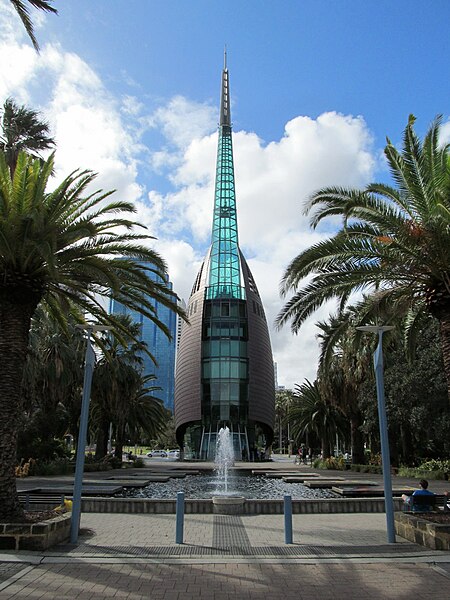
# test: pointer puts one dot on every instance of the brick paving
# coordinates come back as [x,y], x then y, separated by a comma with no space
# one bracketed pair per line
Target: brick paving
[230,581]
[334,556]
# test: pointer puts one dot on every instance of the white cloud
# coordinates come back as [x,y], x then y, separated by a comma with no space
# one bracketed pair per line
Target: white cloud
[94,129]
[272,183]
[181,120]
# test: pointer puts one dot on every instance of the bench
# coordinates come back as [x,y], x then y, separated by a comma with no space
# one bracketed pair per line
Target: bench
[427,503]
[31,501]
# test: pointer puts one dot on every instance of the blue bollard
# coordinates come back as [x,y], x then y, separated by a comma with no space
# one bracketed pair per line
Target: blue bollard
[180,518]
[288,520]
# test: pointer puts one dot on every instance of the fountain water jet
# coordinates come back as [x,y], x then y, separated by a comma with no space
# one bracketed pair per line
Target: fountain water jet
[227,502]
[224,457]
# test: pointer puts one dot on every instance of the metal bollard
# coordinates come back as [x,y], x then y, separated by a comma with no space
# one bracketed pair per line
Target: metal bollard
[288,520]
[180,518]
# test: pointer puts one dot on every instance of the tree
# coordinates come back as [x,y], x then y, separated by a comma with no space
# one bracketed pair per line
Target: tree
[52,385]
[114,375]
[344,363]
[310,413]
[23,12]
[66,247]
[23,130]
[283,398]
[416,401]
[393,239]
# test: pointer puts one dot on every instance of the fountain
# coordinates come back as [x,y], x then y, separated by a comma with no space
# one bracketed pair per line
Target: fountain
[226,501]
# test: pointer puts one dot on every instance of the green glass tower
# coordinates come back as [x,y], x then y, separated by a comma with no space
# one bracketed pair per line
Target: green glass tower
[224,372]
[225,269]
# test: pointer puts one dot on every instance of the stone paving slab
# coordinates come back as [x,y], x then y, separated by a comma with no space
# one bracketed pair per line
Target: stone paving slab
[229,581]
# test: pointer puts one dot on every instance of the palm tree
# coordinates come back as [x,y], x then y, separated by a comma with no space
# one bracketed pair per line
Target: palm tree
[65,247]
[344,363]
[139,410]
[393,239]
[23,129]
[52,382]
[114,375]
[23,12]
[310,413]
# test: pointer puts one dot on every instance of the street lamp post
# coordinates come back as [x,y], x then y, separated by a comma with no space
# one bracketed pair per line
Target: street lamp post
[82,435]
[385,454]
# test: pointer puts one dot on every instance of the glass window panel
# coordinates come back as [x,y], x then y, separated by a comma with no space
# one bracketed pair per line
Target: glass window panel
[234,369]
[243,369]
[215,369]
[215,392]
[224,392]
[225,348]
[234,348]
[234,392]
[225,368]
[206,369]
[215,348]
[233,309]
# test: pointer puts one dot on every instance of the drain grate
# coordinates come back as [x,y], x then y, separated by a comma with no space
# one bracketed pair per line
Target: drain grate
[229,532]
[239,550]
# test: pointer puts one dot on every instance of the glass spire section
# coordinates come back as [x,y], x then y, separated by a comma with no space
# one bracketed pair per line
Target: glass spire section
[225,269]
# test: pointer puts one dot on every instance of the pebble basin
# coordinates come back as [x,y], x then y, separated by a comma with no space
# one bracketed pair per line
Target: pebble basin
[249,486]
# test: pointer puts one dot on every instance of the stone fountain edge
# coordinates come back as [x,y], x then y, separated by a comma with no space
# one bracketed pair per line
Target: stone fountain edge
[249,507]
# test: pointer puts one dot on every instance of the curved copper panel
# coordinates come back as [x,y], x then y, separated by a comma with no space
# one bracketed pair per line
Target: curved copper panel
[188,390]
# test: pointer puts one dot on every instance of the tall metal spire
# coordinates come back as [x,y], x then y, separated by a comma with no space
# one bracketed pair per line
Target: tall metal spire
[225,115]
[225,271]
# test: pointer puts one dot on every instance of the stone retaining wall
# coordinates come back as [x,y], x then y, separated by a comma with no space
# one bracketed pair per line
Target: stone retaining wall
[423,532]
[250,507]
[35,536]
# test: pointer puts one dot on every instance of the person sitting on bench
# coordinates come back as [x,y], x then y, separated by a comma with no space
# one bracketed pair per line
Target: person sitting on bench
[421,505]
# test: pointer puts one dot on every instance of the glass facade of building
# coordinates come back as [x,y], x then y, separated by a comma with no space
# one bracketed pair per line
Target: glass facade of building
[158,344]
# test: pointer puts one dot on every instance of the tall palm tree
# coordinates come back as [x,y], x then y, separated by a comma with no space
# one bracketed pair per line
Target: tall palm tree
[344,363]
[23,129]
[65,247]
[393,239]
[310,413]
[24,14]
[140,409]
[114,375]
[53,380]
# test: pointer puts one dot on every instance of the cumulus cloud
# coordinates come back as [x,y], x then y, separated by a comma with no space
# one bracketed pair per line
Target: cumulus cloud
[95,129]
[272,183]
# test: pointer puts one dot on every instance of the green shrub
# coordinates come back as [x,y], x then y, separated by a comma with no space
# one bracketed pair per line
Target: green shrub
[435,465]
[419,473]
[138,463]
[52,467]
[375,469]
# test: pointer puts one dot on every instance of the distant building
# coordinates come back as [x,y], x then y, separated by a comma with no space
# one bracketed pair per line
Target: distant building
[158,344]
[225,373]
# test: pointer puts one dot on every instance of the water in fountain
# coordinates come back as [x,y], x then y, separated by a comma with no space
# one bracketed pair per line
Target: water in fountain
[224,460]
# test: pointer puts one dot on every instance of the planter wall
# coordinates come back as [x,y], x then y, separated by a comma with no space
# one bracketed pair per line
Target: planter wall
[35,536]
[423,532]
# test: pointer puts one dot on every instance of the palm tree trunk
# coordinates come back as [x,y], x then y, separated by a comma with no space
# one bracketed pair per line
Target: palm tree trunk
[444,322]
[357,439]
[101,446]
[15,320]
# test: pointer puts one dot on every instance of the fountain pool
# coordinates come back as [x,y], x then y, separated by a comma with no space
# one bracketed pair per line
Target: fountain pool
[239,483]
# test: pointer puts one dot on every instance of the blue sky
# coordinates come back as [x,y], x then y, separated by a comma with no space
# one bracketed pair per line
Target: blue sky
[131,89]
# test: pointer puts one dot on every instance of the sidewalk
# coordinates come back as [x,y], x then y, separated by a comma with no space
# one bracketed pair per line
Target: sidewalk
[334,556]
[340,556]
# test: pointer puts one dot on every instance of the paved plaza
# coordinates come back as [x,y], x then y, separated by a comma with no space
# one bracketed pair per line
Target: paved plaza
[333,556]
[135,556]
